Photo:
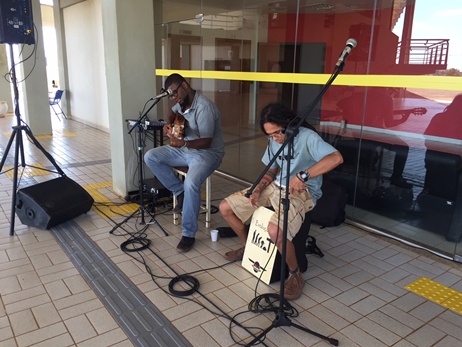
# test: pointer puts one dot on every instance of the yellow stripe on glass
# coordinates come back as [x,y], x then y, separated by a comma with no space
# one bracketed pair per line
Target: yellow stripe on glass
[396,81]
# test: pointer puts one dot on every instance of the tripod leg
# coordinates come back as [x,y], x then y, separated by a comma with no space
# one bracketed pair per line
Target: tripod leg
[152,214]
[284,321]
[8,146]
[260,337]
[153,221]
[123,222]
[39,146]
[21,149]
[18,146]
[333,342]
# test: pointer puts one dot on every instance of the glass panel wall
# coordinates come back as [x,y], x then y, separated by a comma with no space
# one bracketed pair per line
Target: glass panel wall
[386,112]
[178,46]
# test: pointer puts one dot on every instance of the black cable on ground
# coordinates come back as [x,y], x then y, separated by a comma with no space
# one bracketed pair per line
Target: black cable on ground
[192,282]
[142,243]
[271,304]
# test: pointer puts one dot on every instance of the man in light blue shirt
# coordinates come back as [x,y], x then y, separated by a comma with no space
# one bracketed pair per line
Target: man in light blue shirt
[312,157]
[200,148]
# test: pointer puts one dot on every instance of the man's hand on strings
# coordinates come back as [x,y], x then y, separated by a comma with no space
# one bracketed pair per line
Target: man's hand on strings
[296,186]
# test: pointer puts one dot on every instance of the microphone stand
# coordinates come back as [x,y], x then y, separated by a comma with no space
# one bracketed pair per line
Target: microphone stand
[142,208]
[290,133]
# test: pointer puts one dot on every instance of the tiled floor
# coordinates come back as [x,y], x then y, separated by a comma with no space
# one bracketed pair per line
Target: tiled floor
[356,293]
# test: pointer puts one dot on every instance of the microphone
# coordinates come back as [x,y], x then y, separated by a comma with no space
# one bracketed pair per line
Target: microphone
[350,44]
[164,93]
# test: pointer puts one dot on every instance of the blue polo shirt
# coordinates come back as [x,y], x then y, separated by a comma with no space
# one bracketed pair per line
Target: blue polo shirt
[204,121]
[309,148]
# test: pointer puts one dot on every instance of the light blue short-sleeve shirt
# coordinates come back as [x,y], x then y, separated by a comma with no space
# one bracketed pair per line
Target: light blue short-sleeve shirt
[309,148]
[203,121]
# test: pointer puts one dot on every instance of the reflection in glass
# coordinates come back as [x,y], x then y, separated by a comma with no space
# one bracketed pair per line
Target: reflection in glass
[402,163]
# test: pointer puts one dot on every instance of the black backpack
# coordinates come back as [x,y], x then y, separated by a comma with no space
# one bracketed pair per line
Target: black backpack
[330,208]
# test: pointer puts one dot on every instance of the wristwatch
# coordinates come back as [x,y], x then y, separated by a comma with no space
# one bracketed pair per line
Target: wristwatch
[304,175]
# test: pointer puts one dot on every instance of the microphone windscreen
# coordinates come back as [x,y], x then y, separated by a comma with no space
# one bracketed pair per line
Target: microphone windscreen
[351,42]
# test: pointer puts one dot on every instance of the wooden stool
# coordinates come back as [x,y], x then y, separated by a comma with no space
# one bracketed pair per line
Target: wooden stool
[183,170]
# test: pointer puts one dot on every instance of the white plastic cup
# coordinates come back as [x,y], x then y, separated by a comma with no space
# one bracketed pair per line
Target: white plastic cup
[214,235]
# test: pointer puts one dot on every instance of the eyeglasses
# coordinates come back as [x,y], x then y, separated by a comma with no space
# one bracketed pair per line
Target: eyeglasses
[174,93]
[276,133]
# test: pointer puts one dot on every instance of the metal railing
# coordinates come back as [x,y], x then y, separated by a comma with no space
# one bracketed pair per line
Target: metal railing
[423,52]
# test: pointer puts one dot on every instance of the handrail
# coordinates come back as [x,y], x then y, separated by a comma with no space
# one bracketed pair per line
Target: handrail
[423,51]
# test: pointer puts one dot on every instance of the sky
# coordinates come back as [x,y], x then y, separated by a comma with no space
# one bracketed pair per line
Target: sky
[439,20]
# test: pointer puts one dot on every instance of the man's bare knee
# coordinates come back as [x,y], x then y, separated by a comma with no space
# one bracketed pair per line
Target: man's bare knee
[225,209]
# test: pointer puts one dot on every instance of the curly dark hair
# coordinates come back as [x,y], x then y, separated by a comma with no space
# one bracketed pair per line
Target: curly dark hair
[280,114]
[174,78]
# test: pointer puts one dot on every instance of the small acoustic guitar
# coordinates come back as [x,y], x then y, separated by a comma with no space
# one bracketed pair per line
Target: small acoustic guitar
[418,111]
[178,130]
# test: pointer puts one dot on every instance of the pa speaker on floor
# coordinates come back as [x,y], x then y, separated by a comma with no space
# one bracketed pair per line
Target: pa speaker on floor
[53,202]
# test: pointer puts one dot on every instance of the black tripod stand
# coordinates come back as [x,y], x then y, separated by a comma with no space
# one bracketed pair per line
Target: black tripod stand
[142,210]
[290,133]
[19,146]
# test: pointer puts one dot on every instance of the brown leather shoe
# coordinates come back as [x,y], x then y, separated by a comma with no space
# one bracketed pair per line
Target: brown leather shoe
[293,286]
[238,254]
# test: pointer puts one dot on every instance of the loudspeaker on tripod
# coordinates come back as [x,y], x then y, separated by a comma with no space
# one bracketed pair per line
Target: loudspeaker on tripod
[53,202]
[16,22]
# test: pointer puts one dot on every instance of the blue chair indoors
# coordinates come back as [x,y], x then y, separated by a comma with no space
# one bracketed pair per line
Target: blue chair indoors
[56,102]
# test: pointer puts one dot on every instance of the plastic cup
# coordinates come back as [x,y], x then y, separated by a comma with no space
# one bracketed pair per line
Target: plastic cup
[214,235]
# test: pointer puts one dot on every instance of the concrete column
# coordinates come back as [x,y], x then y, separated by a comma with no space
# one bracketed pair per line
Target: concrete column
[62,57]
[128,32]
[5,90]
[32,80]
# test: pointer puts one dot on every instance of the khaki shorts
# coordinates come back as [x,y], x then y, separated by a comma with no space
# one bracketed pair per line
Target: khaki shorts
[270,196]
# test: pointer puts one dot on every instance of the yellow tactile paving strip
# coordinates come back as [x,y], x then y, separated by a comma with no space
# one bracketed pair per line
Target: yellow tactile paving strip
[27,171]
[438,293]
[102,210]
[101,200]
[56,134]
[64,133]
